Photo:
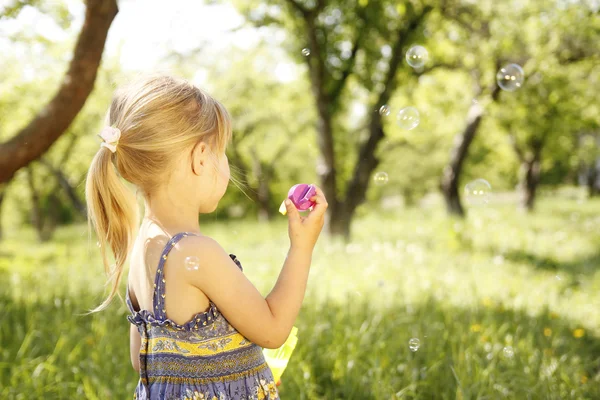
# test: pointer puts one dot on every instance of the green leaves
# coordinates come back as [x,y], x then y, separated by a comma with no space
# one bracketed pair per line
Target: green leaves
[57,10]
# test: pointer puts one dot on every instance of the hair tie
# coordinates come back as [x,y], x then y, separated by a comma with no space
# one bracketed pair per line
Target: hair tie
[110,136]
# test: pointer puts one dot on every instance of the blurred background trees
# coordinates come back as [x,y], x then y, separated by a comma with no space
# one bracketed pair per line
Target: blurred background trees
[508,277]
[306,98]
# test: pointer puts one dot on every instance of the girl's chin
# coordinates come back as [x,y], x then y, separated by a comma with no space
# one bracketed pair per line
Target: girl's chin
[208,211]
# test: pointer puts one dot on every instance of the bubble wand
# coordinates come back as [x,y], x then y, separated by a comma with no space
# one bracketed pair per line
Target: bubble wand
[300,195]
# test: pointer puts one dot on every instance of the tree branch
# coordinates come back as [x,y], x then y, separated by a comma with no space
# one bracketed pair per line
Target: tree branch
[339,86]
[448,66]
[396,58]
[47,126]
[367,159]
[516,147]
[298,7]
[63,181]
[400,144]
[67,153]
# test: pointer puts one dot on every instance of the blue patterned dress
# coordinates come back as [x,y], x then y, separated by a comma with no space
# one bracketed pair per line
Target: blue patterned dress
[205,358]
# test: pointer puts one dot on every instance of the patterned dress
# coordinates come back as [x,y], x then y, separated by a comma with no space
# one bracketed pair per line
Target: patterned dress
[205,358]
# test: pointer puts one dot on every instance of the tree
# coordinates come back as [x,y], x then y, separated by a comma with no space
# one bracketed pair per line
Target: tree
[499,35]
[54,118]
[548,127]
[588,151]
[343,42]
[557,101]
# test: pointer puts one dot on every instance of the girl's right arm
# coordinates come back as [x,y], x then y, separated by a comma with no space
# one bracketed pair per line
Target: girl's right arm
[266,322]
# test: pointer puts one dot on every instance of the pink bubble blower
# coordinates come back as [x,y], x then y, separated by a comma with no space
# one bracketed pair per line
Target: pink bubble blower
[300,195]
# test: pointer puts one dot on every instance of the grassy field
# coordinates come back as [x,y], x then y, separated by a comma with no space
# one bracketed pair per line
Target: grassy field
[504,306]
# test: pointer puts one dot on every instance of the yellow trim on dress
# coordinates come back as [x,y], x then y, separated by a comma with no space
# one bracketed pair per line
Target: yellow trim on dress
[209,347]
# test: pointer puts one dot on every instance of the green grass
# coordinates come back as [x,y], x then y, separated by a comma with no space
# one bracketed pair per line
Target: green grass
[466,289]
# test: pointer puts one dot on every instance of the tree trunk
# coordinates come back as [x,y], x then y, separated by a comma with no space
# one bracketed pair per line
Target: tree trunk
[37,216]
[67,187]
[592,177]
[263,173]
[357,188]
[2,197]
[342,212]
[532,178]
[339,221]
[327,163]
[326,168]
[452,171]
[47,126]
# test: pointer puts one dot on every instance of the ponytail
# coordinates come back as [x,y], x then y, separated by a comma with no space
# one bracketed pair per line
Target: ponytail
[113,212]
[159,118]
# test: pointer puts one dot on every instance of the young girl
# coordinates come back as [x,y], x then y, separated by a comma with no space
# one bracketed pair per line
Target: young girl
[198,324]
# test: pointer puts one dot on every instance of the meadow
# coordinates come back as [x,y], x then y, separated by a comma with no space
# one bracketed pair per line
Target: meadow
[505,305]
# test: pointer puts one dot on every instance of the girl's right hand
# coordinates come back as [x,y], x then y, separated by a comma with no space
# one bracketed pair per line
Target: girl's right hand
[304,230]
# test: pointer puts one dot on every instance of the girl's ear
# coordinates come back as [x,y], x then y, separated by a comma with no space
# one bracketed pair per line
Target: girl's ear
[199,153]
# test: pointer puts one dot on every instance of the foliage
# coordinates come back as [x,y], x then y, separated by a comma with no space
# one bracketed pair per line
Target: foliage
[464,39]
[466,289]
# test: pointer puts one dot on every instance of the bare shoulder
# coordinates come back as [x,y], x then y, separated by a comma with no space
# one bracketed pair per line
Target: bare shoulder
[203,257]
[198,244]
[219,278]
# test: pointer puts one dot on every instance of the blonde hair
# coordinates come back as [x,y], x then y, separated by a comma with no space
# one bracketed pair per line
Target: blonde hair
[159,117]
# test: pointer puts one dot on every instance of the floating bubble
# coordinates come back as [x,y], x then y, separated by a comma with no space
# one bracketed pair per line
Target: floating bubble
[192,263]
[408,118]
[478,192]
[380,178]
[510,77]
[508,352]
[306,52]
[498,260]
[416,56]
[384,110]
[414,344]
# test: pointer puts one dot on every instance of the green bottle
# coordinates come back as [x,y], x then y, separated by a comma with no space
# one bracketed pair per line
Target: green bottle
[277,359]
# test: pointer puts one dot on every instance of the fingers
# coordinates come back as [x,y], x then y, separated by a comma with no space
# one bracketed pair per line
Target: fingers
[292,211]
[320,195]
[319,198]
[321,202]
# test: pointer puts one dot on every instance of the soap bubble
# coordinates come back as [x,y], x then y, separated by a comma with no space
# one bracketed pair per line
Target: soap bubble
[510,77]
[508,352]
[306,52]
[414,344]
[384,110]
[478,192]
[192,263]
[408,118]
[380,178]
[416,56]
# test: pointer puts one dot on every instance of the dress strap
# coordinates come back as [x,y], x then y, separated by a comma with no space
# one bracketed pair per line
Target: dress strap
[158,301]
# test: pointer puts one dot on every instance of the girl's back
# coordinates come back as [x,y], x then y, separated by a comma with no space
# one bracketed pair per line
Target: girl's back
[185,300]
